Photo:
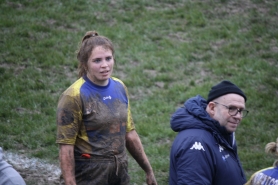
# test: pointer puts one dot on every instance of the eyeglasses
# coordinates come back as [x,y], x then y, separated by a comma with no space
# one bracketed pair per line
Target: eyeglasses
[234,110]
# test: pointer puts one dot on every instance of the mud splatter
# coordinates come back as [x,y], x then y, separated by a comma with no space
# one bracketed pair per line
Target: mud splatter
[34,170]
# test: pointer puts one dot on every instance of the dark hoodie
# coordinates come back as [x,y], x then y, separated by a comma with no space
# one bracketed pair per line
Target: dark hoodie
[203,153]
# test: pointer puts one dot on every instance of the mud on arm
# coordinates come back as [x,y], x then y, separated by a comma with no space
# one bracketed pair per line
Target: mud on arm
[135,148]
[66,157]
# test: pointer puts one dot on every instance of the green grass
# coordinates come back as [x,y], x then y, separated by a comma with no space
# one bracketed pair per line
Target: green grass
[167,51]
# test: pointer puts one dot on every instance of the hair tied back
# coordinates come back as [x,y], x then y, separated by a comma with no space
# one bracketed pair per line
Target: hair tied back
[89,35]
[94,34]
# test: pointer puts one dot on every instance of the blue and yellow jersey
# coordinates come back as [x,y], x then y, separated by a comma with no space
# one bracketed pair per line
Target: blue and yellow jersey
[94,118]
[266,176]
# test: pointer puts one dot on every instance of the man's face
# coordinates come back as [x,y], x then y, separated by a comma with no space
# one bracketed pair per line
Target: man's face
[221,111]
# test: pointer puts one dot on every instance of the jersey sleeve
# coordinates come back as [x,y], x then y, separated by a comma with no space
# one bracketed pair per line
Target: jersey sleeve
[69,117]
[130,124]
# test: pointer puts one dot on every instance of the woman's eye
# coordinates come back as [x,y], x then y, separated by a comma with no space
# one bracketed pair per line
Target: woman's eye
[108,58]
[97,60]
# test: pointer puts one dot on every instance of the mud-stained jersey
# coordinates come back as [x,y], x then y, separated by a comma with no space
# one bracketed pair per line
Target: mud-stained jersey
[94,118]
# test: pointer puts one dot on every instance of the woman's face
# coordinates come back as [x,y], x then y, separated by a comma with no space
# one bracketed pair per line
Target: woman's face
[100,65]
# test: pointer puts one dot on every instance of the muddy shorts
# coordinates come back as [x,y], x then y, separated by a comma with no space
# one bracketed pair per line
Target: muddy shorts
[99,170]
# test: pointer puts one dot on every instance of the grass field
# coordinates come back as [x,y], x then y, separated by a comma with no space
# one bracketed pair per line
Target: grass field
[166,51]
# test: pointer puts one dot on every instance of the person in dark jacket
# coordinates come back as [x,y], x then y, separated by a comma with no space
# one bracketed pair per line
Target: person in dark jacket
[204,151]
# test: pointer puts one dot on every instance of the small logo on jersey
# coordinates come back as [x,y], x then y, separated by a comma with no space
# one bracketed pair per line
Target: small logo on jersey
[197,146]
[107,97]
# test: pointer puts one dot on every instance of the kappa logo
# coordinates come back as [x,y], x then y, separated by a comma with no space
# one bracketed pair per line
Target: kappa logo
[197,146]
[220,148]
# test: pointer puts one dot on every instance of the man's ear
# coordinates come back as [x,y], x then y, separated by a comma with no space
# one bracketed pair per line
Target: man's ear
[211,108]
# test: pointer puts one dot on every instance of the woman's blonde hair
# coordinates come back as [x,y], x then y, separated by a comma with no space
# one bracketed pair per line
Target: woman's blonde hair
[272,148]
[88,43]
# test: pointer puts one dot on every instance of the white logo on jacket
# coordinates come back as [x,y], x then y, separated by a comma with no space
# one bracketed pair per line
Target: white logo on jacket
[220,148]
[197,146]
[225,157]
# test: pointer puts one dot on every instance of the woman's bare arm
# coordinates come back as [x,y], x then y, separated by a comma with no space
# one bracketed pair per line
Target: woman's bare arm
[135,148]
[66,157]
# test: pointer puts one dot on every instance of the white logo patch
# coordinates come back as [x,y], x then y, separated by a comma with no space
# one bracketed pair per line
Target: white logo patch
[225,157]
[220,148]
[197,146]
[107,97]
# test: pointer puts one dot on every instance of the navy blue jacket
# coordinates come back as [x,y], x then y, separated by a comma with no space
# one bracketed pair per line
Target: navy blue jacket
[203,152]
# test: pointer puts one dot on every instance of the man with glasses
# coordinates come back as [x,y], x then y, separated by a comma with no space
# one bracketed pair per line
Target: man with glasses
[205,152]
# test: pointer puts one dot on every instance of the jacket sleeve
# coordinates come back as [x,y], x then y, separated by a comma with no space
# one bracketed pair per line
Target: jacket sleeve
[195,163]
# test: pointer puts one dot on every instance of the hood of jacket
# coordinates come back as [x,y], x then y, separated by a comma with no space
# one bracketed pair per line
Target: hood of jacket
[193,115]
[3,164]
